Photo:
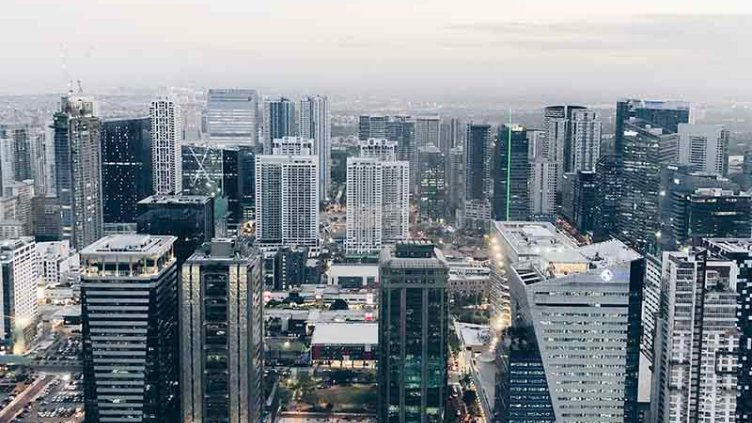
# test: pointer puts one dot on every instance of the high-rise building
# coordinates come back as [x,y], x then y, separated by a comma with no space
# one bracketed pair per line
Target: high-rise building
[315,122]
[704,148]
[580,202]
[378,207]
[427,131]
[78,170]
[739,252]
[575,319]
[19,278]
[287,200]
[129,315]
[166,136]
[212,170]
[232,115]
[413,333]
[658,113]
[221,342]
[452,134]
[585,147]
[697,340]
[701,205]
[608,186]
[372,126]
[289,267]
[642,159]
[292,146]
[432,198]
[478,163]
[189,218]
[279,120]
[511,175]
[126,167]
[17,148]
[747,170]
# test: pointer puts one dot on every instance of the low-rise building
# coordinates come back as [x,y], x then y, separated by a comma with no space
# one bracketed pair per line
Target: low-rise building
[345,344]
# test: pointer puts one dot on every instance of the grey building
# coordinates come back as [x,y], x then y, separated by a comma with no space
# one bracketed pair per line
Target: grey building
[129,309]
[221,338]
[315,122]
[413,333]
[78,170]
[279,121]
[432,182]
[232,115]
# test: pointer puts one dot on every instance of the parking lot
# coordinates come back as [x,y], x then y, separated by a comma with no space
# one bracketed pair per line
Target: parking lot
[59,401]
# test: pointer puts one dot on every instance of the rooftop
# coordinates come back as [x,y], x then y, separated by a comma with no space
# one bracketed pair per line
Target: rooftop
[346,334]
[175,199]
[130,244]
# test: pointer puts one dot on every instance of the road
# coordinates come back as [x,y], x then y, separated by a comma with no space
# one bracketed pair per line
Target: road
[8,413]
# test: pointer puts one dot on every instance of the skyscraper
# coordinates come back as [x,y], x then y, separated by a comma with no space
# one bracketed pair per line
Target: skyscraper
[511,175]
[377,198]
[222,333]
[232,115]
[704,147]
[658,113]
[166,135]
[427,131]
[78,170]
[19,278]
[580,207]
[129,297]
[189,218]
[279,120]
[372,126]
[432,198]
[315,122]
[576,315]
[126,167]
[697,340]
[413,333]
[478,163]
[287,207]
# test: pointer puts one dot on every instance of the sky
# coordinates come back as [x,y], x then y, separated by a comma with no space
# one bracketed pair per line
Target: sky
[429,49]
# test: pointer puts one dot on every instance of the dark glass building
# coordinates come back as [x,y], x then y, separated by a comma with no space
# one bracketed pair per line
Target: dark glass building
[608,186]
[478,145]
[190,218]
[221,303]
[413,330]
[511,174]
[580,200]
[432,201]
[129,315]
[126,167]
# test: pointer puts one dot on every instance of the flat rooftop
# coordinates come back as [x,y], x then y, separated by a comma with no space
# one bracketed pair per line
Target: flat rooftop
[175,199]
[130,244]
[346,334]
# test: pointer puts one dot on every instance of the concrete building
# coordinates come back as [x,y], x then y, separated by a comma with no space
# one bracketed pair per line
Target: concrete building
[78,169]
[287,200]
[56,261]
[166,136]
[575,316]
[293,146]
[19,278]
[279,120]
[413,333]
[353,276]
[704,148]
[129,297]
[427,131]
[345,345]
[221,338]
[377,199]
[232,115]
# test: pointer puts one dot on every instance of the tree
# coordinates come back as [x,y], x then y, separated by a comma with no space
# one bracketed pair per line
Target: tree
[339,304]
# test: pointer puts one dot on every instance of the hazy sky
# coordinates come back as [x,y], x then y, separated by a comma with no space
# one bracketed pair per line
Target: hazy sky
[547,49]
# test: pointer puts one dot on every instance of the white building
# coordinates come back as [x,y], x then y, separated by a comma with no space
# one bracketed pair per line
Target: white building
[704,147]
[315,122]
[576,303]
[56,262]
[378,204]
[18,302]
[697,340]
[378,148]
[232,115]
[573,136]
[542,188]
[292,146]
[345,275]
[166,135]
[287,203]
[586,140]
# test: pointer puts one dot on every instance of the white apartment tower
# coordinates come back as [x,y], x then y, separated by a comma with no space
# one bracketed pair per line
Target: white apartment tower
[287,206]
[378,189]
[573,135]
[696,341]
[166,134]
[18,283]
[586,140]
[315,122]
[704,147]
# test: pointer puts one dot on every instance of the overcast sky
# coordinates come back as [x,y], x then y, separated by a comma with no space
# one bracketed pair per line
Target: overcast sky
[547,49]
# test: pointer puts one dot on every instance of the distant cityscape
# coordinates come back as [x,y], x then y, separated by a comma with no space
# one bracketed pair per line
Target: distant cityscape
[224,255]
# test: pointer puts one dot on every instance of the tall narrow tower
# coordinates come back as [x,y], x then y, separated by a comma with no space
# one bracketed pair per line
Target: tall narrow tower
[166,131]
[315,122]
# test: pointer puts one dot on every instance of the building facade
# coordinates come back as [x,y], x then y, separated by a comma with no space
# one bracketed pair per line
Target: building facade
[129,314]
[166,135]
[315,122]
[704,148]
[19,277]
[511,174]
[232,115]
